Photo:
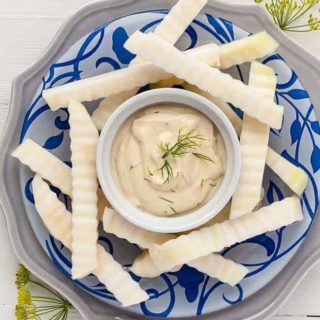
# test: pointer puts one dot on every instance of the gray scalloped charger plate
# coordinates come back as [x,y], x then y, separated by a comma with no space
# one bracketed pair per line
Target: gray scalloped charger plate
[91,42]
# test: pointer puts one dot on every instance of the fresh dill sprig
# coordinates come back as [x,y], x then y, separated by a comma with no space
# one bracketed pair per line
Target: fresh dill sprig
[165,199]
[185,141]
[166,171]
[285,14]
[31,307]
[174,210]
[202,157]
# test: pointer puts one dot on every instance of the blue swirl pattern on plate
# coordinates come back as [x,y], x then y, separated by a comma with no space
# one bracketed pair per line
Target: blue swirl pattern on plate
[186,292]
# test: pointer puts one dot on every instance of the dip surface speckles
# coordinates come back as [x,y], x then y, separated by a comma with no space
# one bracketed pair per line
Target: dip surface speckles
[168,159]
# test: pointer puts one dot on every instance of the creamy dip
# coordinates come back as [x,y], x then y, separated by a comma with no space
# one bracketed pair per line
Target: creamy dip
[168,159]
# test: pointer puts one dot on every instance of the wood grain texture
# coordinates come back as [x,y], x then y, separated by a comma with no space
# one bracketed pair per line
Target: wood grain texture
[26,28]
[22,40]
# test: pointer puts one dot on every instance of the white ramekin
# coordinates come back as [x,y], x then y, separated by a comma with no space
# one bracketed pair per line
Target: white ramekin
[180,222]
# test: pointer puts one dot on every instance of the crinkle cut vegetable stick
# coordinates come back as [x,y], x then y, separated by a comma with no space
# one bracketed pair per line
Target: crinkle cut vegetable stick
[294,177]
[214,265]
[84,139]
[114,82]
[202,242]
[41,161]
[212,80]
[254,141]
[247,49]
[58,221]
[115,224]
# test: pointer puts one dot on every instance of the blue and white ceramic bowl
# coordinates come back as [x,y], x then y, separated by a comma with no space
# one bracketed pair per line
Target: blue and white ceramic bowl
[186,292]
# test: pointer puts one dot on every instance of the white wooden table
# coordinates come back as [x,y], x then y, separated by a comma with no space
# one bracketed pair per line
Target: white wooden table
[26,27]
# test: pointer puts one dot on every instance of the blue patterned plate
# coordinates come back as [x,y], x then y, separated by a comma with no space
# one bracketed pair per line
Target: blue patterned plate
[187,292]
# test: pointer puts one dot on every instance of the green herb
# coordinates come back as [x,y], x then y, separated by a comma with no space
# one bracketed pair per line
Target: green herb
[172,190]
[185,141]
[202,157]
[285,14]
[166,171]
[147,179]
[30,307]
[202,182]
[173,210]
[156,111]
[134,165]
[170,201]
[213,184]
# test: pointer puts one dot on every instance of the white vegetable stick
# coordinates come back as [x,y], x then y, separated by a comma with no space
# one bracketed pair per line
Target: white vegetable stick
[166,56]
[84,139]
[247,49]
[254,141]
[41,161]
[58,221]
[178,19]
[103,85]
[52,211]
[221,104]
[119,282]
[214,239]
[117,81]
[294,177]
[115,224]
[214,265]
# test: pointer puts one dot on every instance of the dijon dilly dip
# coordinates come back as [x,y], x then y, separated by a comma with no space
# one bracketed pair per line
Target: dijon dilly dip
[168,159]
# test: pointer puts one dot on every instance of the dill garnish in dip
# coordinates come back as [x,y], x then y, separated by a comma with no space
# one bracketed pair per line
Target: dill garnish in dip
[168,159]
